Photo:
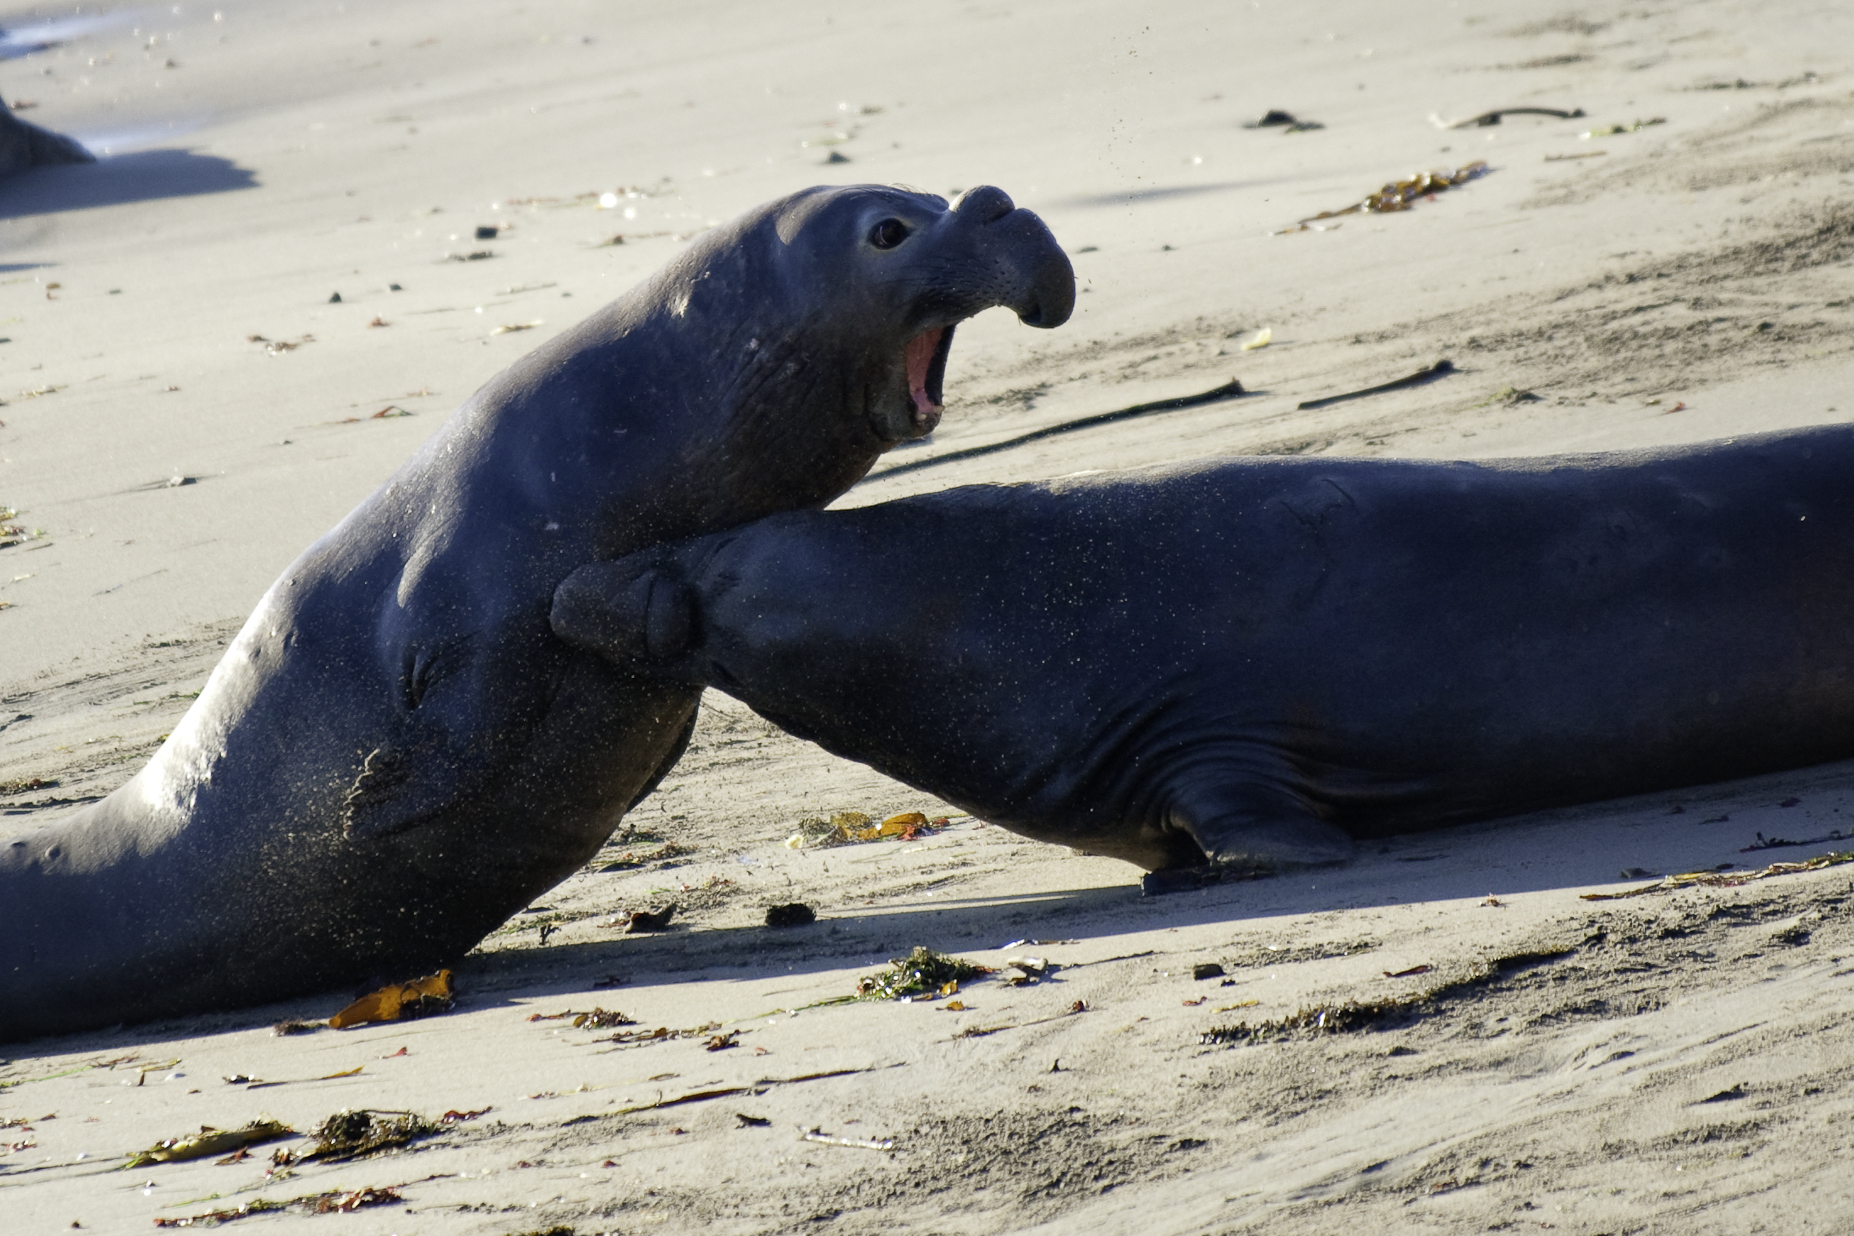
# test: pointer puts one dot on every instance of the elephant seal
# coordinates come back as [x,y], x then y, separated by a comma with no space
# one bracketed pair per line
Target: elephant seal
[1251,662]
[24,145]
[395,753]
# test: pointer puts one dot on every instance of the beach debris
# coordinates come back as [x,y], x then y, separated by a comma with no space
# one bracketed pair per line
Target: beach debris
[721,1042]
[1287,122]
[511,327]
[817,1134]
[791,914]
[1509,395]
[1262,339]
[399,1002]
[953,1006]
[752,1122]
[1029,970]
[1616,130]
[1491,900]
[1440,369]
[1240,1004]
[922,972]
[607,980]
[457,1117]
[20,785]
[277,347]
[1206,970]
[1726,879]
[1486,119]
[1398,196]
[1316,1019]
[379,321]
[1233,389]
[1410,973]
[283,1028]
[1582,154]
[209,1141]
[979,1032]
[335,299]
[648,920]
[356,1133]
[487,231]
[478,255]
[757,1088]
[337,1202]
[836,156]
[633,858]
[1782,843]
[662,1034]
[845,827]
[1191,1004]
[596,1019]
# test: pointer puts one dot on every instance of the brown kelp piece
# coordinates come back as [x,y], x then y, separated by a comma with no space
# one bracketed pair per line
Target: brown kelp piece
[1726,879]
[399,1002]
[1440,369]
[1494,117]
[1400,195]
[340,1201]
[353,1134]
[650,920]
[209,1141]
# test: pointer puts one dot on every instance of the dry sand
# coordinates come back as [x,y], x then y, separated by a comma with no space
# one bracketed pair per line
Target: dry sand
[1674,1062]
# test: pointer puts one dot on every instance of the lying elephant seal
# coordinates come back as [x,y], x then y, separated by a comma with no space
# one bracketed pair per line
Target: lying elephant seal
[1253,661]
[395,754]
[24,145]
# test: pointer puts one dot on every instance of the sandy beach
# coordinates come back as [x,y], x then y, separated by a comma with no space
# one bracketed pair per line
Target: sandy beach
[1466,1030]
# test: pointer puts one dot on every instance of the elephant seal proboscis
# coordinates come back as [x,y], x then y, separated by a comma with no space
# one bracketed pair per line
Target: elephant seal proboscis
[395,753]
[1251,662]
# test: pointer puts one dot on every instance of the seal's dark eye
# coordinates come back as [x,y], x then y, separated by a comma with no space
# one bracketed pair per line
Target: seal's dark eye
[888,233]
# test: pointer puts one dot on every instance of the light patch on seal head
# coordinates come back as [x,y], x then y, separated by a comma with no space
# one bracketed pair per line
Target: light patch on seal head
[919,358]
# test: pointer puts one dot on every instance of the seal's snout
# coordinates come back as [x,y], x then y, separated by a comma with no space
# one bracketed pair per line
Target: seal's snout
[986,204]
[1036,280]
[630,610]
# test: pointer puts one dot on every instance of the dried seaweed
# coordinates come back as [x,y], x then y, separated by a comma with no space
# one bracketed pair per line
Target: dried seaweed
[340,1201]
[354,1134]
[1440,369]
[922,972]
[1726,879]
[399,1002]
[1312,1019]
[209,1141]
[1400,195]
[846,827]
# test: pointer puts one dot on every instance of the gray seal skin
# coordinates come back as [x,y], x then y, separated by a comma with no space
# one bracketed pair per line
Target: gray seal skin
[1251,662]
[396,753]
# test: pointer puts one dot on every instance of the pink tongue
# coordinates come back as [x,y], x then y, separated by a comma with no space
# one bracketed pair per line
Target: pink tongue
[919,354]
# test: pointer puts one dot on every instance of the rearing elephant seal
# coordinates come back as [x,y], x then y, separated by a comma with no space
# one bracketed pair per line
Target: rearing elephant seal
[396,753]
[1253,661]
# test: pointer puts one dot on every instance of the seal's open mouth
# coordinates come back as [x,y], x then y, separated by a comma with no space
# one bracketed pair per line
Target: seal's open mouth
[925,357]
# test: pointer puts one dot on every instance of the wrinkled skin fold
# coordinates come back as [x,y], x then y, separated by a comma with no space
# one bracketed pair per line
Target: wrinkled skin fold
[396,753]
[1255,661]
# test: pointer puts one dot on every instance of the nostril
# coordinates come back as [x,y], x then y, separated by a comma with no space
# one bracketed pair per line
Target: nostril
[987,204]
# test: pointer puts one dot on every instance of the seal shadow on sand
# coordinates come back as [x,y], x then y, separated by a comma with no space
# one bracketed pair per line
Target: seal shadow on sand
[1565,849]
[140,176]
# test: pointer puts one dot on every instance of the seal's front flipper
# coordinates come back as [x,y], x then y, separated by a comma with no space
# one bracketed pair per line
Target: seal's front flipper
[463,718]
[399,787]
[1247,828]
